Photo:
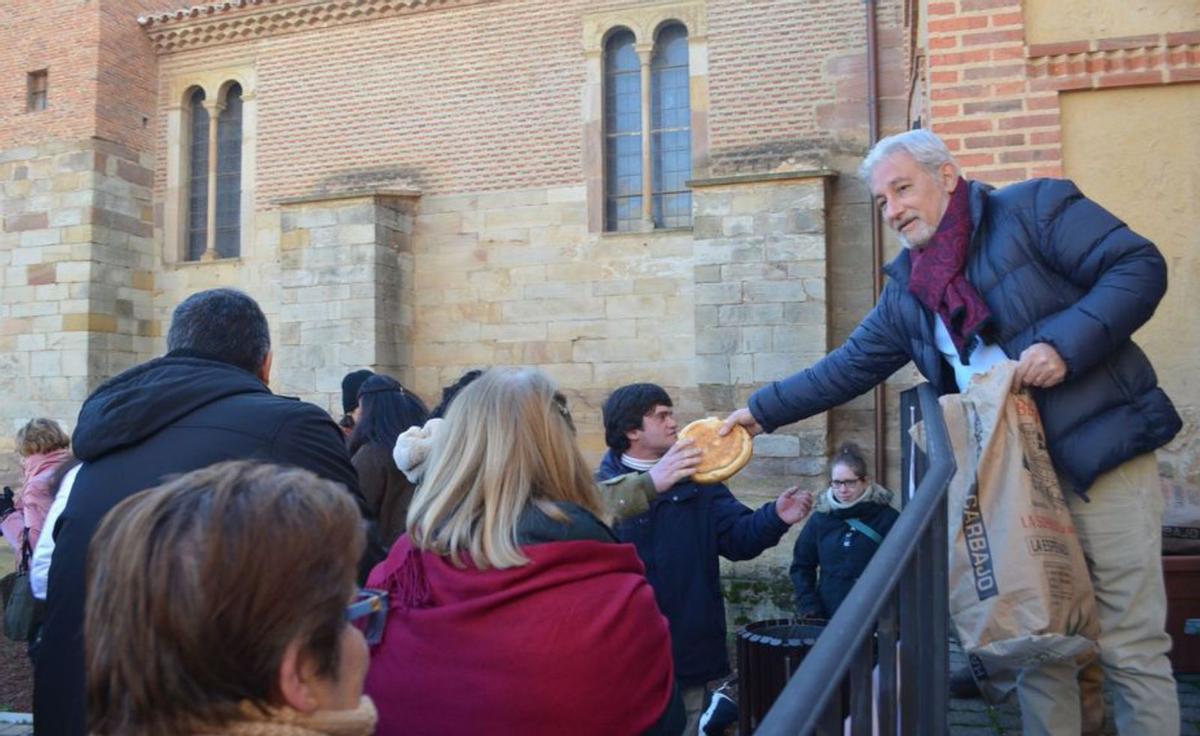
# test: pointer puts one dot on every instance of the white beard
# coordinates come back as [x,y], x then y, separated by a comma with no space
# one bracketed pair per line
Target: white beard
[922,230]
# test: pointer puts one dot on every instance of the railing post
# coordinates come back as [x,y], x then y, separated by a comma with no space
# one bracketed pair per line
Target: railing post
[887,636]
[903,590]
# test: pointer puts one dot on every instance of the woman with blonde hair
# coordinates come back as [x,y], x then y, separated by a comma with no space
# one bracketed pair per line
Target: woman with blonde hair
[43,447]
[223,602]
[513,607]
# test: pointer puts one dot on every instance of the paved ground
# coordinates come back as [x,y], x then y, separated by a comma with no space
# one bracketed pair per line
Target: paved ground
[976,718]
[16,692]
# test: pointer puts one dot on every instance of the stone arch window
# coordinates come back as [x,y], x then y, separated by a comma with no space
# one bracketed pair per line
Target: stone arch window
[214,174]
[210,166]
[623,133]
[644,138]
[228,171]
[670,129]
[197,180]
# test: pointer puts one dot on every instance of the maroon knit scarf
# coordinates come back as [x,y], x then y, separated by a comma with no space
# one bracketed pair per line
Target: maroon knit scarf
[939,280]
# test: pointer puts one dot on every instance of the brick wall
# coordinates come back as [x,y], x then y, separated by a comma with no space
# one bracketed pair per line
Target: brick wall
[101,70]
[126,75]
[994,98]
[60,36]
[487,97]
[788,81]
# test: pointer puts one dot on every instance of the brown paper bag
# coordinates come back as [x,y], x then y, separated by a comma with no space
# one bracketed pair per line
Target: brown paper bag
[1020,593]
[1181,518]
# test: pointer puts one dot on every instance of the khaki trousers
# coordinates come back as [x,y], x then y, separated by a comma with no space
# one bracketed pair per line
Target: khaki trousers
[693,706]
[1121,533]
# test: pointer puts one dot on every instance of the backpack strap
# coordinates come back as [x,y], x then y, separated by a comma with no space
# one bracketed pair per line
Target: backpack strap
[862,526]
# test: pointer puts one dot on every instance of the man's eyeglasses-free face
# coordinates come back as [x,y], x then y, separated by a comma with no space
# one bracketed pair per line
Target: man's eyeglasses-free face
[844,483]
[368,612]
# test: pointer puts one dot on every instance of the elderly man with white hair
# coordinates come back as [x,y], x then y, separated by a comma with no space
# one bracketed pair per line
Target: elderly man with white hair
[1040,274]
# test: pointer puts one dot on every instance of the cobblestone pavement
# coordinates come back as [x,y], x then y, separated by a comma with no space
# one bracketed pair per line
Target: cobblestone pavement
[976,718]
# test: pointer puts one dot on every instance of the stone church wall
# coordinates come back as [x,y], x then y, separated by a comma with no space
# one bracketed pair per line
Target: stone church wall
[75,297]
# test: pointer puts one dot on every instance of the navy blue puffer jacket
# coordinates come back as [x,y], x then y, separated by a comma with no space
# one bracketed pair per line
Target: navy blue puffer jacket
[679,540]
[829,543]
[1053,267]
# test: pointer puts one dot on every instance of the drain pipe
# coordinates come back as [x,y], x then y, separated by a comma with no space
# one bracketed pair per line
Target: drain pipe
[876,231]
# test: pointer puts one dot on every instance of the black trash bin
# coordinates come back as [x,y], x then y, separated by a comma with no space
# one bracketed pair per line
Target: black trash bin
[768,652]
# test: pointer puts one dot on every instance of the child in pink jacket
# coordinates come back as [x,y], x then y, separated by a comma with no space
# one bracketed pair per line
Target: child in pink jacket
[43,446]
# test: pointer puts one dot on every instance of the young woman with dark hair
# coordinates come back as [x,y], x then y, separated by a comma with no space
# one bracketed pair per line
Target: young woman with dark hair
[387,409]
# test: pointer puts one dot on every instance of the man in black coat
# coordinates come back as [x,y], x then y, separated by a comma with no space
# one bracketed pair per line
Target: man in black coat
[1034,272]
[206,401]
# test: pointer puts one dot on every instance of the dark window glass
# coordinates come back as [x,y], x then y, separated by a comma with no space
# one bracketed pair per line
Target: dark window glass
[229,175]
[623,133]
[197,218]
[37,86]
[670,129]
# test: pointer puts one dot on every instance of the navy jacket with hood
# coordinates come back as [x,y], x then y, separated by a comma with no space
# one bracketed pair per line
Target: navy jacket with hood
[1053,267]
[679,540]
[840,551]
[164,417]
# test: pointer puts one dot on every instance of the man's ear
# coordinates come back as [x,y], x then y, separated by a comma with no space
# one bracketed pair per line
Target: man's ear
[295,679]
[264,370]
[948,177]
[633,435]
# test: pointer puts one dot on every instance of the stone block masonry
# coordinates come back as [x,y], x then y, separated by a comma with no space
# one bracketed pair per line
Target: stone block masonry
[759,268]
[346,291]
[515,278]
[760,271]
[77,281]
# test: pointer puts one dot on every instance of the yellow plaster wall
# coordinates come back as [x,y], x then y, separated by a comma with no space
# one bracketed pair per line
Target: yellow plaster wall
[1136,150]
[1049,21]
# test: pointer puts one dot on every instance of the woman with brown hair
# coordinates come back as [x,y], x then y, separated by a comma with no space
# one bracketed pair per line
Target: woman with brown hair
[221,603]
[513,607]
[850,520]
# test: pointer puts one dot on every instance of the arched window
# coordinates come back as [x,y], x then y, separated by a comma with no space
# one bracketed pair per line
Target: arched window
[670,129]
[197,199]
[623,133]
[214,179]
[229,175]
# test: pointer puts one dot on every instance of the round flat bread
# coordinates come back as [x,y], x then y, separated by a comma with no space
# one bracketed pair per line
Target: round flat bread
[722,456]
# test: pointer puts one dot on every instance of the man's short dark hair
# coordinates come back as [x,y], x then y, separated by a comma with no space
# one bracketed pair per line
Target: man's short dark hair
[221,324]
[624,409]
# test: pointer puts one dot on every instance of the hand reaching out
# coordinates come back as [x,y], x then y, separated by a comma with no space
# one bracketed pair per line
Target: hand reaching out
[793,505]
[744,418]
[680,462]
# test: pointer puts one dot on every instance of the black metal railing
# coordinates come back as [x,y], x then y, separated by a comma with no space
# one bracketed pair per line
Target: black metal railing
[883,658]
